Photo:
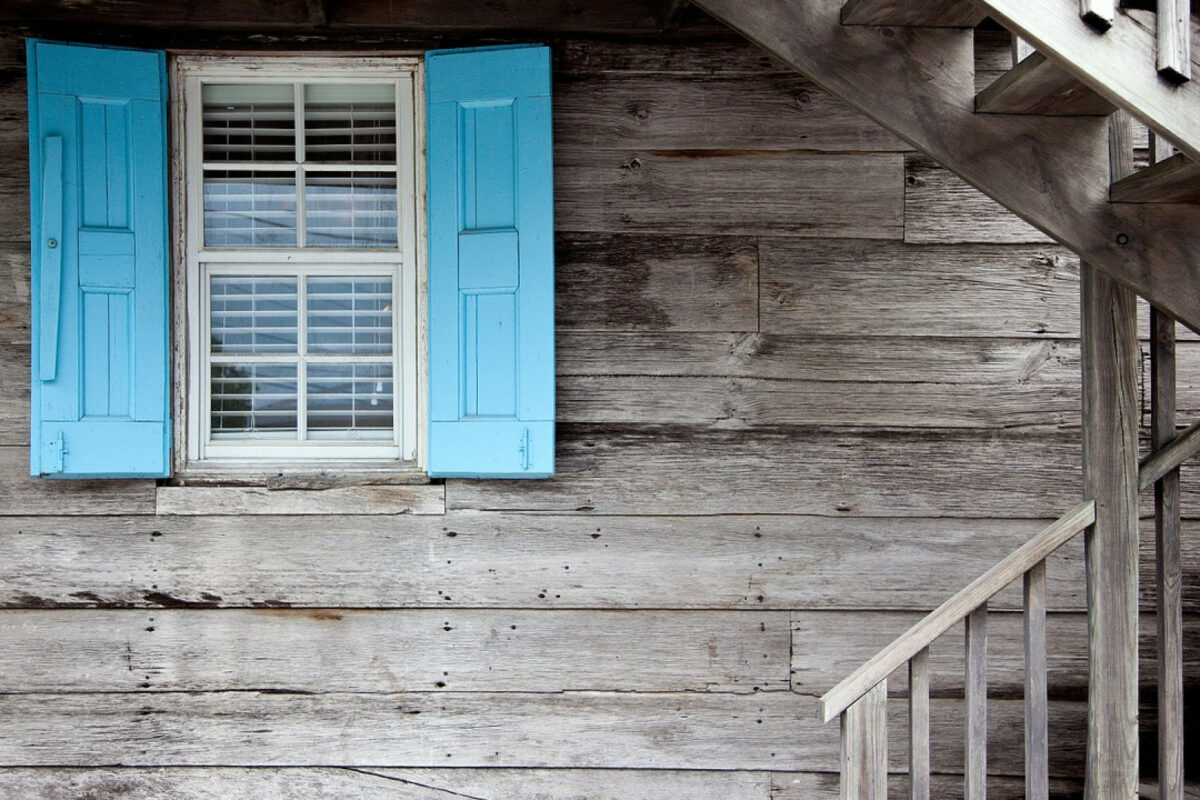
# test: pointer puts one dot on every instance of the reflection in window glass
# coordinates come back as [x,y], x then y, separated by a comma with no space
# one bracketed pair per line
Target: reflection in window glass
[351,209]
[350,315]
[350,401]
[249,209]
[253,401]
[253,314]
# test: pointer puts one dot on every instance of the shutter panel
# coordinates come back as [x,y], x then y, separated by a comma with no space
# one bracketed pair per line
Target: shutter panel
[97,146]
[491,263]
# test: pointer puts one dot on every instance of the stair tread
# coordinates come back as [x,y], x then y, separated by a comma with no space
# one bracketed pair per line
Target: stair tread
[923,13]
[1174,180]
[1038,85]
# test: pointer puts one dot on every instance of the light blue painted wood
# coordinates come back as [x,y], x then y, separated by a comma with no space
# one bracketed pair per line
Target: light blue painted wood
[100,394]
[491,263]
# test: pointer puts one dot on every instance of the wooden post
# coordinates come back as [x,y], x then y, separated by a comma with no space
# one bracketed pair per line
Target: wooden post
[1166,548]
[1110,477]
[864,746]
[918,726]
[975,769]
[1037,747]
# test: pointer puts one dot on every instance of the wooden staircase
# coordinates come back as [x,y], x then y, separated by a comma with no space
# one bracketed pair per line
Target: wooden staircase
[1050,140]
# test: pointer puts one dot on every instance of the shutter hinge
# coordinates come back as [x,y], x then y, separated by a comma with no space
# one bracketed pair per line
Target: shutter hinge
[56,449]
[526,451]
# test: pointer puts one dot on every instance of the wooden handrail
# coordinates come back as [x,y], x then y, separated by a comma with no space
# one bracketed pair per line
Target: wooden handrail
[956,609]
[1160,462]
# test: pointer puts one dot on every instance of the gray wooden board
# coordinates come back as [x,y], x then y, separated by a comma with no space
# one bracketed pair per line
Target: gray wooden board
[820,660]
[793,193]
[367,783]
[473,559]
[763,731]
[689,470]
[328,650]
[888,289]
[21,494]
[941,208]
[665,111]
[825,786]
[723,54]
[646,282]
[260,500]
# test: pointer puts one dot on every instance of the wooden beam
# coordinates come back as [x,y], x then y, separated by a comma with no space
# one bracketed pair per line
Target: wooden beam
[975,697]
[1169,457]
[1037,739]
[864,747]
[1175,180]
[1111,414]
[1098,13]
[672,13]
[1174,27]
[1115,64]
[1065,158]
[918,725]
[1167,562]
[924,13]
[1038,85]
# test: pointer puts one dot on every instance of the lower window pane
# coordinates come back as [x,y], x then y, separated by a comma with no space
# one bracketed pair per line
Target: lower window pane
[249,209]
[254,401]
[350,401]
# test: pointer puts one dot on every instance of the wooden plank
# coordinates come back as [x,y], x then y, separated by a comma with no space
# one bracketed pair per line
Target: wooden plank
[821,658]
[717,471]
[903,291]
[1037,736]
[762,193]
[1005,155]
[824,786]
[1171,181]
[1037,85]
[21,494]
[1168,570]
[345,650]
[338,783]
[976,701]
[632,282]
[696,109]
[484,560]
[575,729]
[259,500]
[1174,38]
[1110,412]
[918,725]
[720,54]
[960,606]
[864,746]
[925,13]
[14,283]
[1169,457]
[942,208]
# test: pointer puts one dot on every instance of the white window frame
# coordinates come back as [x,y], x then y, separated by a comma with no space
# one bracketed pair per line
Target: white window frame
[197,263]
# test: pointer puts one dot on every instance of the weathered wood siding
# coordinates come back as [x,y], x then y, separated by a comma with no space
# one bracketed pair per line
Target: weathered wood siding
[809,385]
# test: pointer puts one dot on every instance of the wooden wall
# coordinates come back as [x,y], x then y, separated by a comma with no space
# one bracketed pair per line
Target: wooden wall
[809,385]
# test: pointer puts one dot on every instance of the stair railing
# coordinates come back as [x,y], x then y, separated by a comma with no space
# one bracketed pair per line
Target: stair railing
[861,699]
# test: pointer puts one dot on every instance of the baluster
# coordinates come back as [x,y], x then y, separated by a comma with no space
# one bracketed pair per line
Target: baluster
[1037,757]
[864,746]
[918,725]
[1174,26]
[1166,541]
[975,777]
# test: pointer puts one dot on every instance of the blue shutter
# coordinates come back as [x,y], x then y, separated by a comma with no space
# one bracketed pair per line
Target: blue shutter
[97,154]
[491,263]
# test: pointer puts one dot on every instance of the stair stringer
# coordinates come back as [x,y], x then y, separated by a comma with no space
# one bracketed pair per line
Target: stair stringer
[1053,172]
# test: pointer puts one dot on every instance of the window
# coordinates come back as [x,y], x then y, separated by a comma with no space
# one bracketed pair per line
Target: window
[298,288]
[299,181]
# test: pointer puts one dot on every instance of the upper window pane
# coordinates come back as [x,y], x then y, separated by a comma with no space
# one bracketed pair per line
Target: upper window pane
[249,122]
[350,123]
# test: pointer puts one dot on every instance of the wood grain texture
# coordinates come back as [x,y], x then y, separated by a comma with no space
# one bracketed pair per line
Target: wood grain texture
[472,559]
[255,500]
[634,282]
[824,786]
[713,471]
[1037,85]
[584,729]
[1036,681]
[730,192]
[941,208]
[1173,180]
[918,726]
[775,110]
[344,650]
[375,783]
[926,13]
[1173,35]
[1110,424]
[865,747]
[900,290]
[975,699]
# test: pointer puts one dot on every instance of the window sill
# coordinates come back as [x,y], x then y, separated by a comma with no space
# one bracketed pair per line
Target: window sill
[329,475]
